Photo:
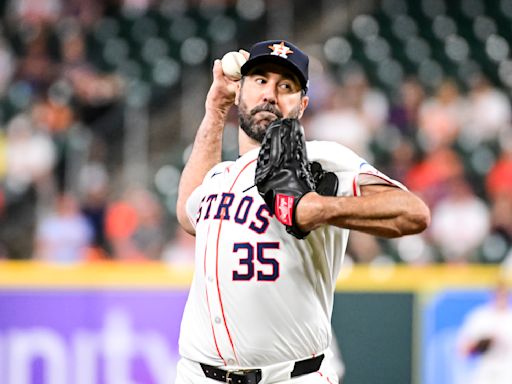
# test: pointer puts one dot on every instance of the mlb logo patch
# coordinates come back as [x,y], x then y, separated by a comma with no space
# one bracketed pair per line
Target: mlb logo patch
[284,208]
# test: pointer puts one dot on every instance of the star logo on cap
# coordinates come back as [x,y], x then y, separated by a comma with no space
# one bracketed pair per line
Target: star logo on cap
[280,50]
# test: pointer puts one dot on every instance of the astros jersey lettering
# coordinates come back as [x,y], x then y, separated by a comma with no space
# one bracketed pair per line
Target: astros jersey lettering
[260,296]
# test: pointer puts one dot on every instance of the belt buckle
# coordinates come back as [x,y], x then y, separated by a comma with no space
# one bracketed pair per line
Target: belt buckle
[229,379]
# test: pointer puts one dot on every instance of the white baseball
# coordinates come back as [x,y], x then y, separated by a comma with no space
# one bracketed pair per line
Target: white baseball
[231,64]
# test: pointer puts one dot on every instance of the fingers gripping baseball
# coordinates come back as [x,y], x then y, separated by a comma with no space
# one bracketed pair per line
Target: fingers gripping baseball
[223,90]
[226,76]
[232,65]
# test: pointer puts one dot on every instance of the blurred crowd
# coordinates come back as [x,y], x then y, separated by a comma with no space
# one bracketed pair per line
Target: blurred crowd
[60,142]
[450,144]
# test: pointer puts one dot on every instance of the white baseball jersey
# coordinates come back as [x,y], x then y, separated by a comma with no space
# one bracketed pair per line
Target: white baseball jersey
[495,365]
[260,296]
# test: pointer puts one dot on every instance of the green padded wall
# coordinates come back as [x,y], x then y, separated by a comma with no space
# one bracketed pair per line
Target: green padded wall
[375,335]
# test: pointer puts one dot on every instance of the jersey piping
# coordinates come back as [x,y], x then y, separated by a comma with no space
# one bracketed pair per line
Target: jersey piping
[217,267]
[208,300]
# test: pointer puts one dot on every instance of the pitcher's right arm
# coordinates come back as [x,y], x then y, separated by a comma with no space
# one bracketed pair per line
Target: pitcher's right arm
[207,147]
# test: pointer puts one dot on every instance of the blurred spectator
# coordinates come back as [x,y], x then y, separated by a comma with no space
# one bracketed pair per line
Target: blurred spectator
[3,155]
[30,155]
[91,87]
[2,206]
[52,114]
[430,176]
[73,50]
[352,114]
[134,226]
[3,166]
[120,224]
[7,66]
[501,218]
[486,333]
[96,96]
[499,179]
[403,158]
[442,116]
[137,5]
[489,111]
[371,103]
[35,12]
[94,187]
[321,84]
[17,224]
[149,236]
[340,122]
[36,67]
[180,250]
[95,90]
[26,162]
[499,191]
[404,112]
[363,248]
[460,222]
[85,12]
[64,235]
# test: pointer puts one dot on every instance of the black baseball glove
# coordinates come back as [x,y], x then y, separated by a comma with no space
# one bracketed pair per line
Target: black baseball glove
[482,345]
[284,174]
[326,183]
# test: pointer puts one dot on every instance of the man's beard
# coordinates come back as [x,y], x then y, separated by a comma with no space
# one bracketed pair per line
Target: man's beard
[256,130]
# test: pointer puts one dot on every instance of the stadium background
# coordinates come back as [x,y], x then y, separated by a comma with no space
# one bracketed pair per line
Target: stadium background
[99,101]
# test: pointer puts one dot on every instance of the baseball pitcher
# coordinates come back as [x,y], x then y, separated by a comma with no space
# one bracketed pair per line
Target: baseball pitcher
[271,228]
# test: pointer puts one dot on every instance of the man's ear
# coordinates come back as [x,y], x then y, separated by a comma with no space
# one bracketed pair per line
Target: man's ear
[304,101]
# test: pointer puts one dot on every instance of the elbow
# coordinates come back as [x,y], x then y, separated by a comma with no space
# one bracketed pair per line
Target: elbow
[416,220]
[420,222]
[412,218]
[423,216]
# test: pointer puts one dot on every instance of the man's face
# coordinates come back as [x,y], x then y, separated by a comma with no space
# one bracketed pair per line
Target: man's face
[269,92]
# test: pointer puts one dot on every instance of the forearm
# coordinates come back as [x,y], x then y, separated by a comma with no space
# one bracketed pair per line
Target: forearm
[206,153]
[207,148]
[389,214]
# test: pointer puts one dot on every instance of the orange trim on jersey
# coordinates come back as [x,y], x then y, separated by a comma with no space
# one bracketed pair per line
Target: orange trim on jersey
[207,298]
[217,266]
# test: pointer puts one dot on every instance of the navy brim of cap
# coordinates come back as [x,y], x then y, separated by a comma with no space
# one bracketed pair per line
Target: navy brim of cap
[274,59]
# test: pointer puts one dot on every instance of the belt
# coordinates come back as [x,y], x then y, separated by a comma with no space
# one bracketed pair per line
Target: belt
[253,376]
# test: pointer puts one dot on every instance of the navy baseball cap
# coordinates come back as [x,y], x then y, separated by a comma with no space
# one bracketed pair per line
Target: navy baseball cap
[280,52]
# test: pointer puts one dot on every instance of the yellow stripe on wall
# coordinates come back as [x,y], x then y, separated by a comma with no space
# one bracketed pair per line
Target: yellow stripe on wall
[94,275]
[159,275]
[419,278]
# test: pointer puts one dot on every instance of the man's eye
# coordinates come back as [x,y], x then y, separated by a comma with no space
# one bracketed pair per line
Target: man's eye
[286,86]
[260,80]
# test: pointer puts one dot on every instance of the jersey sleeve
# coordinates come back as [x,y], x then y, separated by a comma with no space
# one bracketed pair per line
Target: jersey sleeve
[352,170]
[210,184]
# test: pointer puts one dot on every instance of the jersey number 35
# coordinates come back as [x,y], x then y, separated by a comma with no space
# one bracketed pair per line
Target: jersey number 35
[265,268]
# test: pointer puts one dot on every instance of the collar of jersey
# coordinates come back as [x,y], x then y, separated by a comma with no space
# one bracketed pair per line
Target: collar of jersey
[249,156]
